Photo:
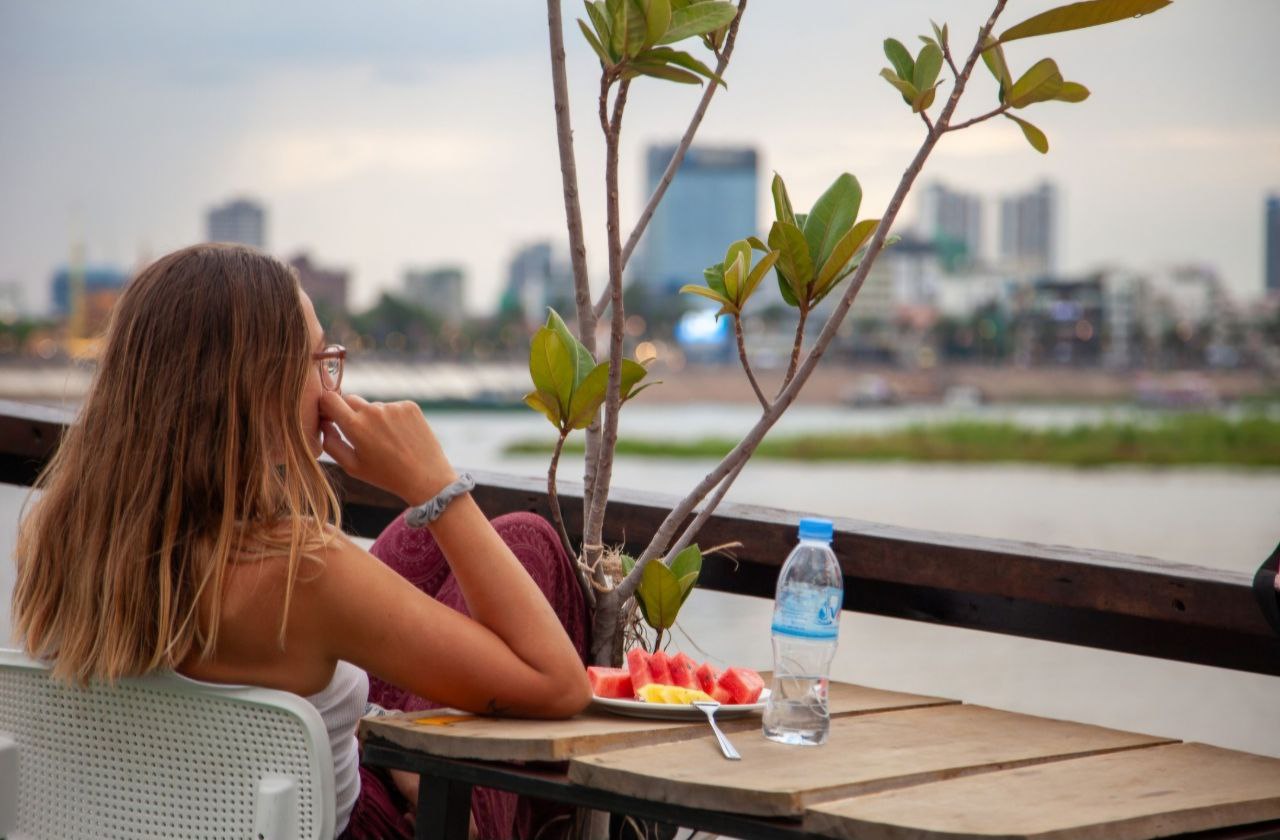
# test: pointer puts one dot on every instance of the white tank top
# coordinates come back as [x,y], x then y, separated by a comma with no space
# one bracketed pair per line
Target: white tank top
[341,704]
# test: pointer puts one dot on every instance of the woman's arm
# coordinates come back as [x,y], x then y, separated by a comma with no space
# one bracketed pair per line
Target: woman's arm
[513,656]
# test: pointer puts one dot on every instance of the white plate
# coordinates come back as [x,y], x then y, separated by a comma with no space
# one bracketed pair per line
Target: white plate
[675,711]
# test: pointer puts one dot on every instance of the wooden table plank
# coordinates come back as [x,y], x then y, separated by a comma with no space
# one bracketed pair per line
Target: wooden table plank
[504,739]
[1130,795]
[865,753]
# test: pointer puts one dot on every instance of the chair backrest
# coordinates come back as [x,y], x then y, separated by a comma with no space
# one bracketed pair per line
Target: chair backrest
[158,756]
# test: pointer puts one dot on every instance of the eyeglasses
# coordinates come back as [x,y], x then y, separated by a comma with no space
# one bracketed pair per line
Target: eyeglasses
[330,361]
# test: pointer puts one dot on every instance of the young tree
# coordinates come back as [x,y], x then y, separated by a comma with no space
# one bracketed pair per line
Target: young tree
[811,255]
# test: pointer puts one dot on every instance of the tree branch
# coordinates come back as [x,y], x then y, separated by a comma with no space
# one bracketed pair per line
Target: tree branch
[946,53]
[746,365]
[703,515]
[557,516]
[795,350]
[676,159]
[748,444]
[994,113]
[573,218]
[612,127]
[928,122]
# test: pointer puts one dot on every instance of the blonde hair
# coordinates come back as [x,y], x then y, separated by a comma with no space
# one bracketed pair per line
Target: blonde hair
[188,455]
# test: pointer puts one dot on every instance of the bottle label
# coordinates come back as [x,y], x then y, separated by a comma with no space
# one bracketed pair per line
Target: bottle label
[808,611]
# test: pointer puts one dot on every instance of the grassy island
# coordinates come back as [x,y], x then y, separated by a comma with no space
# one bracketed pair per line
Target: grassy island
[1197,439]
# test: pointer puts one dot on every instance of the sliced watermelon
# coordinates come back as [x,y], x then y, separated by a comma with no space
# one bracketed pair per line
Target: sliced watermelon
[682,668]
[721,696]
[742,684]
[660,668]
[638,669]
[610,682]
[706,677]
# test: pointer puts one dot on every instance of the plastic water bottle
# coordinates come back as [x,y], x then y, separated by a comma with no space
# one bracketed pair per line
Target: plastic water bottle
[806,627]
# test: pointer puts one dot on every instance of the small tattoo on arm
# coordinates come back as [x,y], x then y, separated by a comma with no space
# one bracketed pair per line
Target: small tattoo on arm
[494,709]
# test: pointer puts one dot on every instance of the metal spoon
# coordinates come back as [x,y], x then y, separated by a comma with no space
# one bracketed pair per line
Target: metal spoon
[708,708]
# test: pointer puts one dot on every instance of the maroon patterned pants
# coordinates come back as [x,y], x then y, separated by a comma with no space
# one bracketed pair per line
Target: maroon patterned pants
[414,554]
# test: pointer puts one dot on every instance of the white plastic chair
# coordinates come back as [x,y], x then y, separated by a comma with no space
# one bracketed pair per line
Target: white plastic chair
[158,756]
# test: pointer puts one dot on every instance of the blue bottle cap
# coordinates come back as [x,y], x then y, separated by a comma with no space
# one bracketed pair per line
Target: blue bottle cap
[812,528]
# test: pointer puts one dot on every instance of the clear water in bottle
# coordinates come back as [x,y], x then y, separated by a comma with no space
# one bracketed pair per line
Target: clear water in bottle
[806,627]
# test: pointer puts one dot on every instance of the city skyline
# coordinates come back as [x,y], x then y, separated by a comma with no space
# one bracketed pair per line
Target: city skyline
[374,153]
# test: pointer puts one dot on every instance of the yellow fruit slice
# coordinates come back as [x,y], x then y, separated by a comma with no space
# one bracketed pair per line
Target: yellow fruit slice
[670,694]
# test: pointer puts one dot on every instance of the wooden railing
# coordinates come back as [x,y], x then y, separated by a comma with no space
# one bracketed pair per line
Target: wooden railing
[1098,599]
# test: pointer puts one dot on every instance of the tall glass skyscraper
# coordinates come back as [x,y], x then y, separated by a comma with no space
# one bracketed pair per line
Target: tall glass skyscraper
[1029,231]
[711,202]
[241,220]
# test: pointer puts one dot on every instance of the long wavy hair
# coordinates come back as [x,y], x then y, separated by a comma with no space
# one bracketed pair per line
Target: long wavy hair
[188,456]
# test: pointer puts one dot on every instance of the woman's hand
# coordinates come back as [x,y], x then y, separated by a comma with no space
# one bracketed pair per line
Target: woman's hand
[389,445]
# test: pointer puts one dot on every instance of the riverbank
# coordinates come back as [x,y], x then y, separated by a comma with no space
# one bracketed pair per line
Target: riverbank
[503,384]
[1178,440]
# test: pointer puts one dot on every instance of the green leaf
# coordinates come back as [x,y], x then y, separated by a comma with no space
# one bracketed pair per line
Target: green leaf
[588,397]
[583,362]
[551,364]
[908,90]
[800,220]
[741,248]
[784,287]
[662,71]
[1034,135]
[632,372]
[844,251]
[734,275]
[781,202]
[618,10]
[794,263]
[686,566]
[940,33]
[714,275]
[637,27]
[628,563]
[659,595]
[605,58]
[757,244]
[1043,81]
[924,100]
[832,216]
[900,58]
[757,274]
[702,291]
[1072,92]
[698,19]
[599,14]
[657,17]
[993,57]
[928,65]
[1080,16]
[546,404]
[681,59]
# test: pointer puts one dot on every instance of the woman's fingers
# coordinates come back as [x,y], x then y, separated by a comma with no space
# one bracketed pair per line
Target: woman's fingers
[339,450]
[337,408]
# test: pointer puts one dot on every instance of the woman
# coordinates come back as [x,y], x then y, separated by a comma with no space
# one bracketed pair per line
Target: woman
[185,524]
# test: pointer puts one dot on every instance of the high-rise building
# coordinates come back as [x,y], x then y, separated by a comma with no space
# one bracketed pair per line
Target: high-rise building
[952,220]
[327,287]
[239,220]
[438,290]
[710,203]
[1028,231]
[539,276]
[1272,279]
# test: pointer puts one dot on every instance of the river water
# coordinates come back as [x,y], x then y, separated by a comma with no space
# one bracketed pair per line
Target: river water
[1220,518]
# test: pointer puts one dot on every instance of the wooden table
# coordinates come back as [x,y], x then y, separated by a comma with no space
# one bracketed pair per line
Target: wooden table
[896,766]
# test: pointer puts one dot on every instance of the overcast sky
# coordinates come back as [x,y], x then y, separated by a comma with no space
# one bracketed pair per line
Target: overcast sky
[388,134]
